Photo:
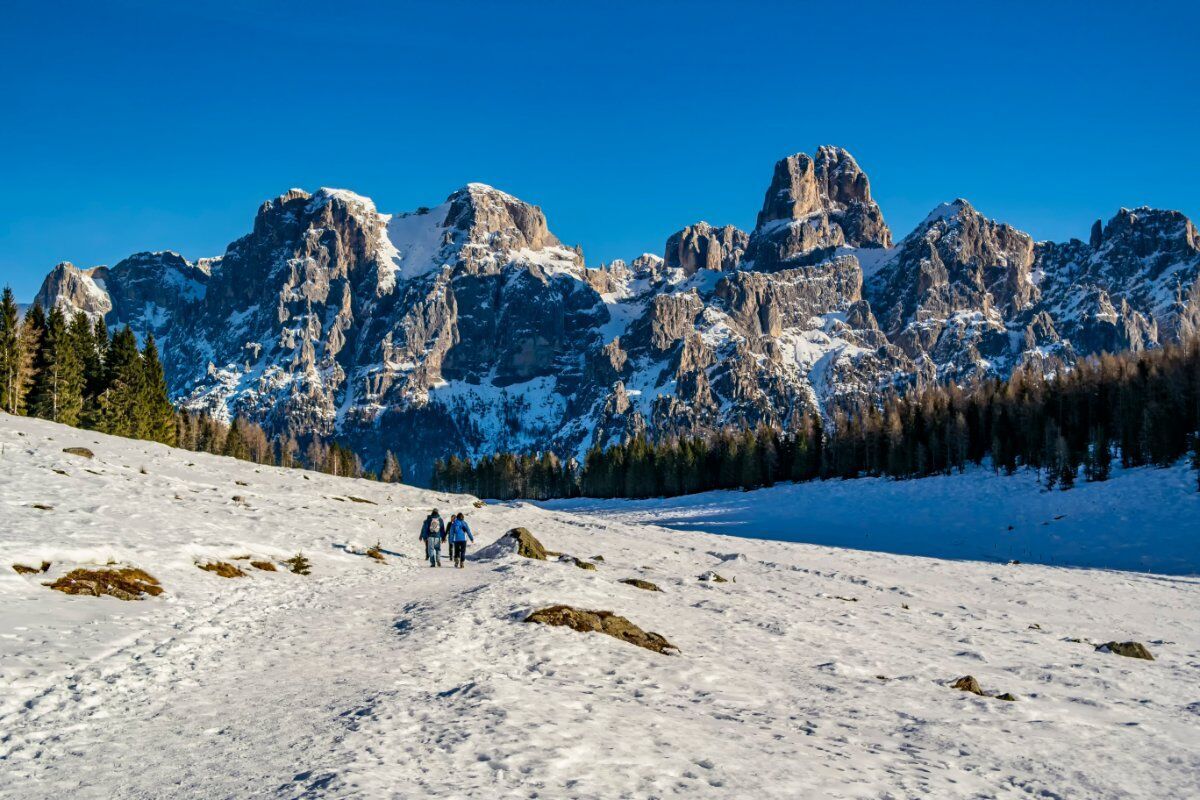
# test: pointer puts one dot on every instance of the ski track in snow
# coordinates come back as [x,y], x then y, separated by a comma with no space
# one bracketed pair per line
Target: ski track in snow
[806,677]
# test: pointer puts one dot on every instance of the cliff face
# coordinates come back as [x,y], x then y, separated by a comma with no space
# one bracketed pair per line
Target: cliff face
[469,327]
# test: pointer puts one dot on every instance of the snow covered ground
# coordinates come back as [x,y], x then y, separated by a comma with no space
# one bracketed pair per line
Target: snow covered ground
[819,672]
[1141,519]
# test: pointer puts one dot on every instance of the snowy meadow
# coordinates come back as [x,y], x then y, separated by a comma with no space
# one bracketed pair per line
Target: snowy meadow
[807,670]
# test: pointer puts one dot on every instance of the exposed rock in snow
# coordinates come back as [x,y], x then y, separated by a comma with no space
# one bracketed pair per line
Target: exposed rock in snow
[1127,649]
[606,622]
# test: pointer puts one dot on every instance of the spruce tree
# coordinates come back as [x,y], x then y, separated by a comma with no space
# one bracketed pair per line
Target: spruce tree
[83,341]
[155,405]
[121,404]
[57,391]
[12,396]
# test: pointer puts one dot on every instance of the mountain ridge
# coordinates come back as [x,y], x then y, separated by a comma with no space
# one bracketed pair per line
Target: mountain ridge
[468,327]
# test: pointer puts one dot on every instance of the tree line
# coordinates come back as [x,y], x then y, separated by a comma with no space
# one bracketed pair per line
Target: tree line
[1067,423]
[73,371]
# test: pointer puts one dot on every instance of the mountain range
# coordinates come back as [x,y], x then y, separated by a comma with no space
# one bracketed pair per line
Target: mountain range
[469,328]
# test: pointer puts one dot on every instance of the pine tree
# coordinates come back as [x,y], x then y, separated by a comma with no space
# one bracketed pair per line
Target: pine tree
[12,395]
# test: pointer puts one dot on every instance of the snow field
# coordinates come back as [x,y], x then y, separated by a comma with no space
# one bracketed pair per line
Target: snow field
[805,677]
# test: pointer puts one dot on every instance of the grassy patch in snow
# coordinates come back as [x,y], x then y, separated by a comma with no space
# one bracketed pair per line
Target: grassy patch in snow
[128,583]
[222,568]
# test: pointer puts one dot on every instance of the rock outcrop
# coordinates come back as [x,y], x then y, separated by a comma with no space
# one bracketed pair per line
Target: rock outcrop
[640,584]
[701,246]
[1127,649]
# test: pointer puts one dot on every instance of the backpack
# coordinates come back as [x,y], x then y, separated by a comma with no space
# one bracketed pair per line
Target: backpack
[434,527]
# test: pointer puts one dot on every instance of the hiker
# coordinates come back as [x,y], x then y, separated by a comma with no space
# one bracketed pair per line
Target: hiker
[458,535]
[431,534]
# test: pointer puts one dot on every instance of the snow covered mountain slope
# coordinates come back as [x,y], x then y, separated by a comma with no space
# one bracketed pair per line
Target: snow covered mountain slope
[469,328]
[813,672]
[1140,519]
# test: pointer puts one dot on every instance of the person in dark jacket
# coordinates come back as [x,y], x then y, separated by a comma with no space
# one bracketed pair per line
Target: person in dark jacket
[458,534]
[431,534]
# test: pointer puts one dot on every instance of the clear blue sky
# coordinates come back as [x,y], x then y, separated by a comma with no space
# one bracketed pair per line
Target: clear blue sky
[150,125]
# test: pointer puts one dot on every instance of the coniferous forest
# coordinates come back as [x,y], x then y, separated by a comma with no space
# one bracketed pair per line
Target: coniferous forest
[1073,424]
[73,371]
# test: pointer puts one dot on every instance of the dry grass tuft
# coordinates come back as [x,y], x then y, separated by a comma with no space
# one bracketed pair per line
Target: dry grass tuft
[124,584]
[21,569]
[361,500]
[222,568]
[79,451]
[265,566]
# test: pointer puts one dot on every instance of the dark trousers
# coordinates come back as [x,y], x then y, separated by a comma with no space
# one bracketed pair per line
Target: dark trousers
[458,551]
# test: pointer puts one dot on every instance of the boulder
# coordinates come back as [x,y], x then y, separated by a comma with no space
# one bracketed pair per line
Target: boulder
[641,584]
[606,622]
[967,683]
[526,544]
[1127,649]
[124,584]
[713,576]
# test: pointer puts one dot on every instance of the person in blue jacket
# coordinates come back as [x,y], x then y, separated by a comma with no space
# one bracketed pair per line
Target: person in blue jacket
[431,534]
[458,535]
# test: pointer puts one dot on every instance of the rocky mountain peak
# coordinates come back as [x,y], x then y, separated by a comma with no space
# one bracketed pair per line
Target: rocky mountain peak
[812,206]
[73,289]
[497,220]
[951,284]
[1157,237]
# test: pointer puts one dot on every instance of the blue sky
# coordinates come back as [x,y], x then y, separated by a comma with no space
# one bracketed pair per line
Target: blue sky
[142,125]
